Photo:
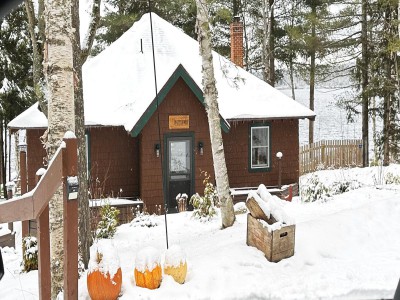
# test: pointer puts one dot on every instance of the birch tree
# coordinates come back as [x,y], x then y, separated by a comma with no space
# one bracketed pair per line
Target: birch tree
[81,53]
[211,99]
[59,77]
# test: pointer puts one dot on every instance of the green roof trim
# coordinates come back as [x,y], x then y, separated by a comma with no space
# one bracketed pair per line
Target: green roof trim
[180,72]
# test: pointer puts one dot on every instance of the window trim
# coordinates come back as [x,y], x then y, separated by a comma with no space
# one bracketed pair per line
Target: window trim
[251,168]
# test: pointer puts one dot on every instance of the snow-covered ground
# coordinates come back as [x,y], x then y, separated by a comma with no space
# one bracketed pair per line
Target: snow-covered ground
[347,247]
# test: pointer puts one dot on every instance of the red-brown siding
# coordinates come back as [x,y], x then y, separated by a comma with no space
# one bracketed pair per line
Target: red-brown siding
[179,101]
[127,166]
[114,162]
[35,155]
[284,138]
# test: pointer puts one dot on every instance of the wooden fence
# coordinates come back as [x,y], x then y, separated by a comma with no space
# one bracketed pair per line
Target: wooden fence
[330,154]
[35,205]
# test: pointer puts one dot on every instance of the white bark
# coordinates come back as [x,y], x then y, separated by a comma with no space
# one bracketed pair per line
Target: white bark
[211,95]
[58,69]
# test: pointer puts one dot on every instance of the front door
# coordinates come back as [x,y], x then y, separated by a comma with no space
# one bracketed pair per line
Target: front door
[179,169]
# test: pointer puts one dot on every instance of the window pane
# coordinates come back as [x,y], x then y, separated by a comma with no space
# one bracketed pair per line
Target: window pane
[260,157]
[179,157]
[259,136]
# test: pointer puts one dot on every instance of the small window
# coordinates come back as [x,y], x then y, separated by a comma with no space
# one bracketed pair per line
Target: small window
[260,148]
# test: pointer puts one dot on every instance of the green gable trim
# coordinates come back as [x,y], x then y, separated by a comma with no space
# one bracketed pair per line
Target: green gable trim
[180,72]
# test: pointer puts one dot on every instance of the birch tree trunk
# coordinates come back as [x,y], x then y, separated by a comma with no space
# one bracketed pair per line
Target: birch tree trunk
[59,76]
[211,95]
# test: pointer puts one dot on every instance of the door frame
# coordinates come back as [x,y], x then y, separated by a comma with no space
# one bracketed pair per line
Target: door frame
[167,136]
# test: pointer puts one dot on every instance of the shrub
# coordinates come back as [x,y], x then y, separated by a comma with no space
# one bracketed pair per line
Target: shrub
[108,223]
[340,187]
[144,219]
[30,253]
[204,206]
[390,178]
[313,190]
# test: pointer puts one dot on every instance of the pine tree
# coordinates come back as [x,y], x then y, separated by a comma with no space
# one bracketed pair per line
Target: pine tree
[16,91]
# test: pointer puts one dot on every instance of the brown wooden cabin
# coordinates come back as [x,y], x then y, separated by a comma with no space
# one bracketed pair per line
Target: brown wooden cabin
[139,162]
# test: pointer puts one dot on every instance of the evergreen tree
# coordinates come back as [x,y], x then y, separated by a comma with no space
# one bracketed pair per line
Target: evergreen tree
[16,91]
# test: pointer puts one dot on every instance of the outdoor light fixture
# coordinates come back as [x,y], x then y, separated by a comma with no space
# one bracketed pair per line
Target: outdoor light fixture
[22,147]
[279,156]
[201,148]
[157,149]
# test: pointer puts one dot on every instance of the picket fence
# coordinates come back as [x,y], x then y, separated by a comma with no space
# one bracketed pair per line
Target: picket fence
[330,154]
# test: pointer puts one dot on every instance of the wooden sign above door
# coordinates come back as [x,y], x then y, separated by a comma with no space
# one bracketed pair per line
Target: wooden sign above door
[179,122]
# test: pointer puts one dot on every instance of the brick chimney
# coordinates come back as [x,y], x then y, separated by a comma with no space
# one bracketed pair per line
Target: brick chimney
[237,41]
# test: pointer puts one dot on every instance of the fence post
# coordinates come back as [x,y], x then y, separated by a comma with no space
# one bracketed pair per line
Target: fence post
[22,147]
[43,238]
[70,166]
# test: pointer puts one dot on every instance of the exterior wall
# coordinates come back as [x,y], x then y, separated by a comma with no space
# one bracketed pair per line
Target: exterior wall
[114,164]
[179,101]
[284,138]
[113,161]
[127,166]
[34,156]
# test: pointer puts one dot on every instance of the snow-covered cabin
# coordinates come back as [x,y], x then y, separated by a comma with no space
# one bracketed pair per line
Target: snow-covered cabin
[123,116]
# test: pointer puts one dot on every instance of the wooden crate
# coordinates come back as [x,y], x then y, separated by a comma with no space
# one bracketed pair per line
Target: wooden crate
[276,245]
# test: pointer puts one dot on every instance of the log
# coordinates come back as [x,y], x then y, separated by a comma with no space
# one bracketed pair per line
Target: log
[256,211]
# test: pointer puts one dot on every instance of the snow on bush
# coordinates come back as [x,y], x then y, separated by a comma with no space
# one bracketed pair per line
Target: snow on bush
[174,256]
[144,219]
[313,189]
[147,259]
[240,208]
[204,206]
[391,178]
[108,223]
[340,187]
[30,253]
[104,257]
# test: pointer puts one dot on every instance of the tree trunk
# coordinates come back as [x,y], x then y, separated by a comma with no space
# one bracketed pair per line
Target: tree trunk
[2,172]
[271,44]
[312,75]
[83,208]
[364,84]
[80,56]
[58,70]
[211,95]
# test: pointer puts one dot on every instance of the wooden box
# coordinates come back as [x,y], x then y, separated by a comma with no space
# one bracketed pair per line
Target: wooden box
[276,245]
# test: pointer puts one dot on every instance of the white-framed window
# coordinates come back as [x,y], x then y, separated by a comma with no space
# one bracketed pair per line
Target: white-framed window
[259,147]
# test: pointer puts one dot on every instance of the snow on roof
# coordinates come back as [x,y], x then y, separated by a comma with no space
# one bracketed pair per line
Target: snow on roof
[30,118]
[119,82]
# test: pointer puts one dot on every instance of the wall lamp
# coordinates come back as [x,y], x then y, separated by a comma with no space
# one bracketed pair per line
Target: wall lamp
[157,149]
[201,148]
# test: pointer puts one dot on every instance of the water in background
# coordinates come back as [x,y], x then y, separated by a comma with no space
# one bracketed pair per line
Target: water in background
[330,122]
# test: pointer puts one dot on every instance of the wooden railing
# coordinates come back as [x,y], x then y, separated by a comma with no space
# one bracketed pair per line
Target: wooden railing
[35,205]
[330,154]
